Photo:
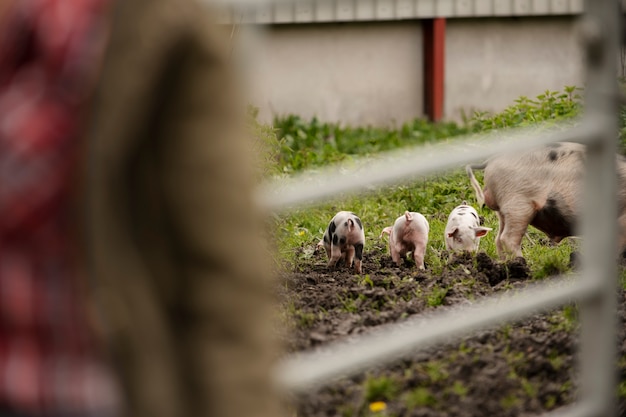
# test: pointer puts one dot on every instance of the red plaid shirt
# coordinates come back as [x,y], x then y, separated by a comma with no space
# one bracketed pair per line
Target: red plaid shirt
[49,364]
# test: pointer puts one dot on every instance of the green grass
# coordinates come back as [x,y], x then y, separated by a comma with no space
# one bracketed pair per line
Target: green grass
[436,296]
[459,389]
[308,144]
[419,397]
[381,389]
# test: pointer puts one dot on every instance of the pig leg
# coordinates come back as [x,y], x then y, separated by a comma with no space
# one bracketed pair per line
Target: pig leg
[327,249]
[395,254]
[335,255]
[501,223]
[418,255]
[517,220]
[358,254]
[349,255]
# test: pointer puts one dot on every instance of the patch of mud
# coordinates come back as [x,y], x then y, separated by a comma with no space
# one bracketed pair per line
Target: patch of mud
[520,369]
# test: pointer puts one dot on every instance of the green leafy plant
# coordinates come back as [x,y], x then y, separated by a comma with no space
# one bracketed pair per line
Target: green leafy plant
[458,388]
[306,144]
[548,106]
[436,296]
[380,389]
[420,397]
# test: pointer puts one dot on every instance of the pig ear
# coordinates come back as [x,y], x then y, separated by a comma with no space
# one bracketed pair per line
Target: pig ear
[481,231]
[453,232]
[350,224]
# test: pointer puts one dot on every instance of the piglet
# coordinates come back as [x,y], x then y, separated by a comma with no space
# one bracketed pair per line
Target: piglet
[409,233]
[463,230]
[344,239]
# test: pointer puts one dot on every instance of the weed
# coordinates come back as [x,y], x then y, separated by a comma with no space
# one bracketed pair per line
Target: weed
[621,389]
[436,296]
[552,264]
[348,303]
[347,410]
[305,320]
[550,402]
[549,106]
[459,389]
[509,402]
[305,144]
[506,331]
[380,389]
[435,371]
[387,282]
[566,387]
[367,281]
[463,348]
[566,319]
[556,360]
[419,397]
[529,388]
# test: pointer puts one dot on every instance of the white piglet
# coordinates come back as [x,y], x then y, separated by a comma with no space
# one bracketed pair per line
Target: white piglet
[409,233]
[463,230]
[344,239]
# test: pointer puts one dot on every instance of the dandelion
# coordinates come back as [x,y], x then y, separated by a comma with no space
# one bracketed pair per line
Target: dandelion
[378,406]
[301,233]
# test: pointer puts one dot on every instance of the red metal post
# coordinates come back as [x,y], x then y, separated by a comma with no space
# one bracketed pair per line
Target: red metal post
[434,33]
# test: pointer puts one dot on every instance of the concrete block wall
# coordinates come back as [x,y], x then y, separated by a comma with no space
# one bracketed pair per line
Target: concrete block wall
[364,73]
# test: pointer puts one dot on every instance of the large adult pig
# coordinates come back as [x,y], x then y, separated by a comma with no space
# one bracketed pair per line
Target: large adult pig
[463,230]
[344,239]
[542,188]
[409,233]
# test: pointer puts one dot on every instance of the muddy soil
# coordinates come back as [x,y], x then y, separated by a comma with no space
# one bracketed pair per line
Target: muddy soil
[518,369]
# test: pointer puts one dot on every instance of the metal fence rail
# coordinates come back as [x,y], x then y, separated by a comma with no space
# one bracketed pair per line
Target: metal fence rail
[593,289]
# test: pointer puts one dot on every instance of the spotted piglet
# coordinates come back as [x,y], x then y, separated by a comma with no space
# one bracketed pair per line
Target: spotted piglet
[344,239]
[409,233]
[463,230]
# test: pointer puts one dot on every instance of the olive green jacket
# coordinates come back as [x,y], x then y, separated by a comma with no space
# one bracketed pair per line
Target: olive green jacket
[178,265]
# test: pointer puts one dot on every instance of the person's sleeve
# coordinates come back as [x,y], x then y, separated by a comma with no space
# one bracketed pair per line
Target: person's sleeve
[224,306]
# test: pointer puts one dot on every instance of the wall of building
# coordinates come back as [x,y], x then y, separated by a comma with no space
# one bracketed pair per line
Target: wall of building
[371,73]
[490,63]
[355,72]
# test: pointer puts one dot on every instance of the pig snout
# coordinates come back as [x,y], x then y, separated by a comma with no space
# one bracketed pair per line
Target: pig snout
[409,234]
[344,238]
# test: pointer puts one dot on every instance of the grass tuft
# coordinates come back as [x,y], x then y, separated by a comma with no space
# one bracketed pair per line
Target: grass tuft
[380,389]
[419,397]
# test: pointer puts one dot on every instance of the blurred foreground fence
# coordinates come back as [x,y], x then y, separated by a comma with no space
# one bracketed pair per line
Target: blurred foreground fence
[594,288]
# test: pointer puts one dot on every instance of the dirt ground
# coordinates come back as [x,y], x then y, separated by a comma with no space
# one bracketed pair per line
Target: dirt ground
[519,369]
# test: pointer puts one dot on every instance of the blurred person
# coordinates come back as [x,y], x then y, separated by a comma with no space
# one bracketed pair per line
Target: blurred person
[176,251]
[141,196]
[51,363]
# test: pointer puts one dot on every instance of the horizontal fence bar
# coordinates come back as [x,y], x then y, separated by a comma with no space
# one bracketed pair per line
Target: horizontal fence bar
[583,408]
[303,372]
[408,163]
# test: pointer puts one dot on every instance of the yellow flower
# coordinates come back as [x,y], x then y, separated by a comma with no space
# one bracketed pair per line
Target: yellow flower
[378,406]
[301,233]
